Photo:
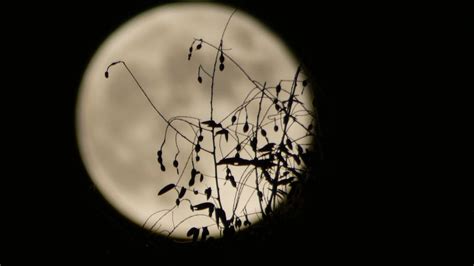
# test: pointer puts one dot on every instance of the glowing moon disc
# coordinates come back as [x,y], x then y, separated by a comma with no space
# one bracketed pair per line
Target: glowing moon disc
[119,133]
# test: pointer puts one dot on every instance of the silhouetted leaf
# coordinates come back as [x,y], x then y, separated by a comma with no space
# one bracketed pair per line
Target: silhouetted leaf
[177,202]
[211,123]
[175,163]
[163,168]
[260,195]
[267,148]
[264,133]
[194,172]
[204,205]
[289,144]
[234,118]
[232,181]
[166,189]
[194,232]
[300,149]
[182,192]
[275,128]
[220,216]
[278,88]
[201,178]
[224,132]
[208,192]
[191,49]
[234,161]
[267,176]
[198,46]
[204,234]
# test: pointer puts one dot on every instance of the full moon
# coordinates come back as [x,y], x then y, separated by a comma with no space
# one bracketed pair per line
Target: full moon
[119,133]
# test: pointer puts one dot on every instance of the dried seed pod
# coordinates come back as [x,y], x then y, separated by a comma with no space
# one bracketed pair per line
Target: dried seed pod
[175,163]
[163,168]
[198,46]
[221,67]
[246,127]
[234,118]
[199,79]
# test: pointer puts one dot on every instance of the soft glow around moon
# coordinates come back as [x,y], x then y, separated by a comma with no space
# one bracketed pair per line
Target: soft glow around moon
[119,133]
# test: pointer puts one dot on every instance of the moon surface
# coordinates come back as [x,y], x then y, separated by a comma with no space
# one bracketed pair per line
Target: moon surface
[118,131]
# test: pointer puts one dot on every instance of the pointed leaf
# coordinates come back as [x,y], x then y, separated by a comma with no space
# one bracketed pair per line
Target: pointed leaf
[182,192]
[166,189]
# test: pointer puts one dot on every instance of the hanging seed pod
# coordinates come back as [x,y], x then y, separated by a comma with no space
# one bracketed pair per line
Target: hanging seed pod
[199,79]
[198,158]
[175,163]
[197,148]
[278,88]
[238,147]
[106,74]
[221,58]
[234,118]
[160,160]
[159,153]
[163,168]
[200,138]
[221,67]
[190,49]
[264,133]
[246,127]
[275,128]
[177,202]
[189,56]
[201,178]
[199,46]
[305,82]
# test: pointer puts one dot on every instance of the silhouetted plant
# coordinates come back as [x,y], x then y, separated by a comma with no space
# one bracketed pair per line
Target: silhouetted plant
[277,166]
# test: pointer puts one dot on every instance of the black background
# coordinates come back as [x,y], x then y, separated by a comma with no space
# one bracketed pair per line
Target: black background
[49,206]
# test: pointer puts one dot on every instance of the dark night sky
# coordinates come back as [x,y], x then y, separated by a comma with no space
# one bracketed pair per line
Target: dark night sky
[53,206]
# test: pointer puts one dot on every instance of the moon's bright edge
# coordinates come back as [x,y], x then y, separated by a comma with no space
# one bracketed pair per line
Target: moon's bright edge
[119,133]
